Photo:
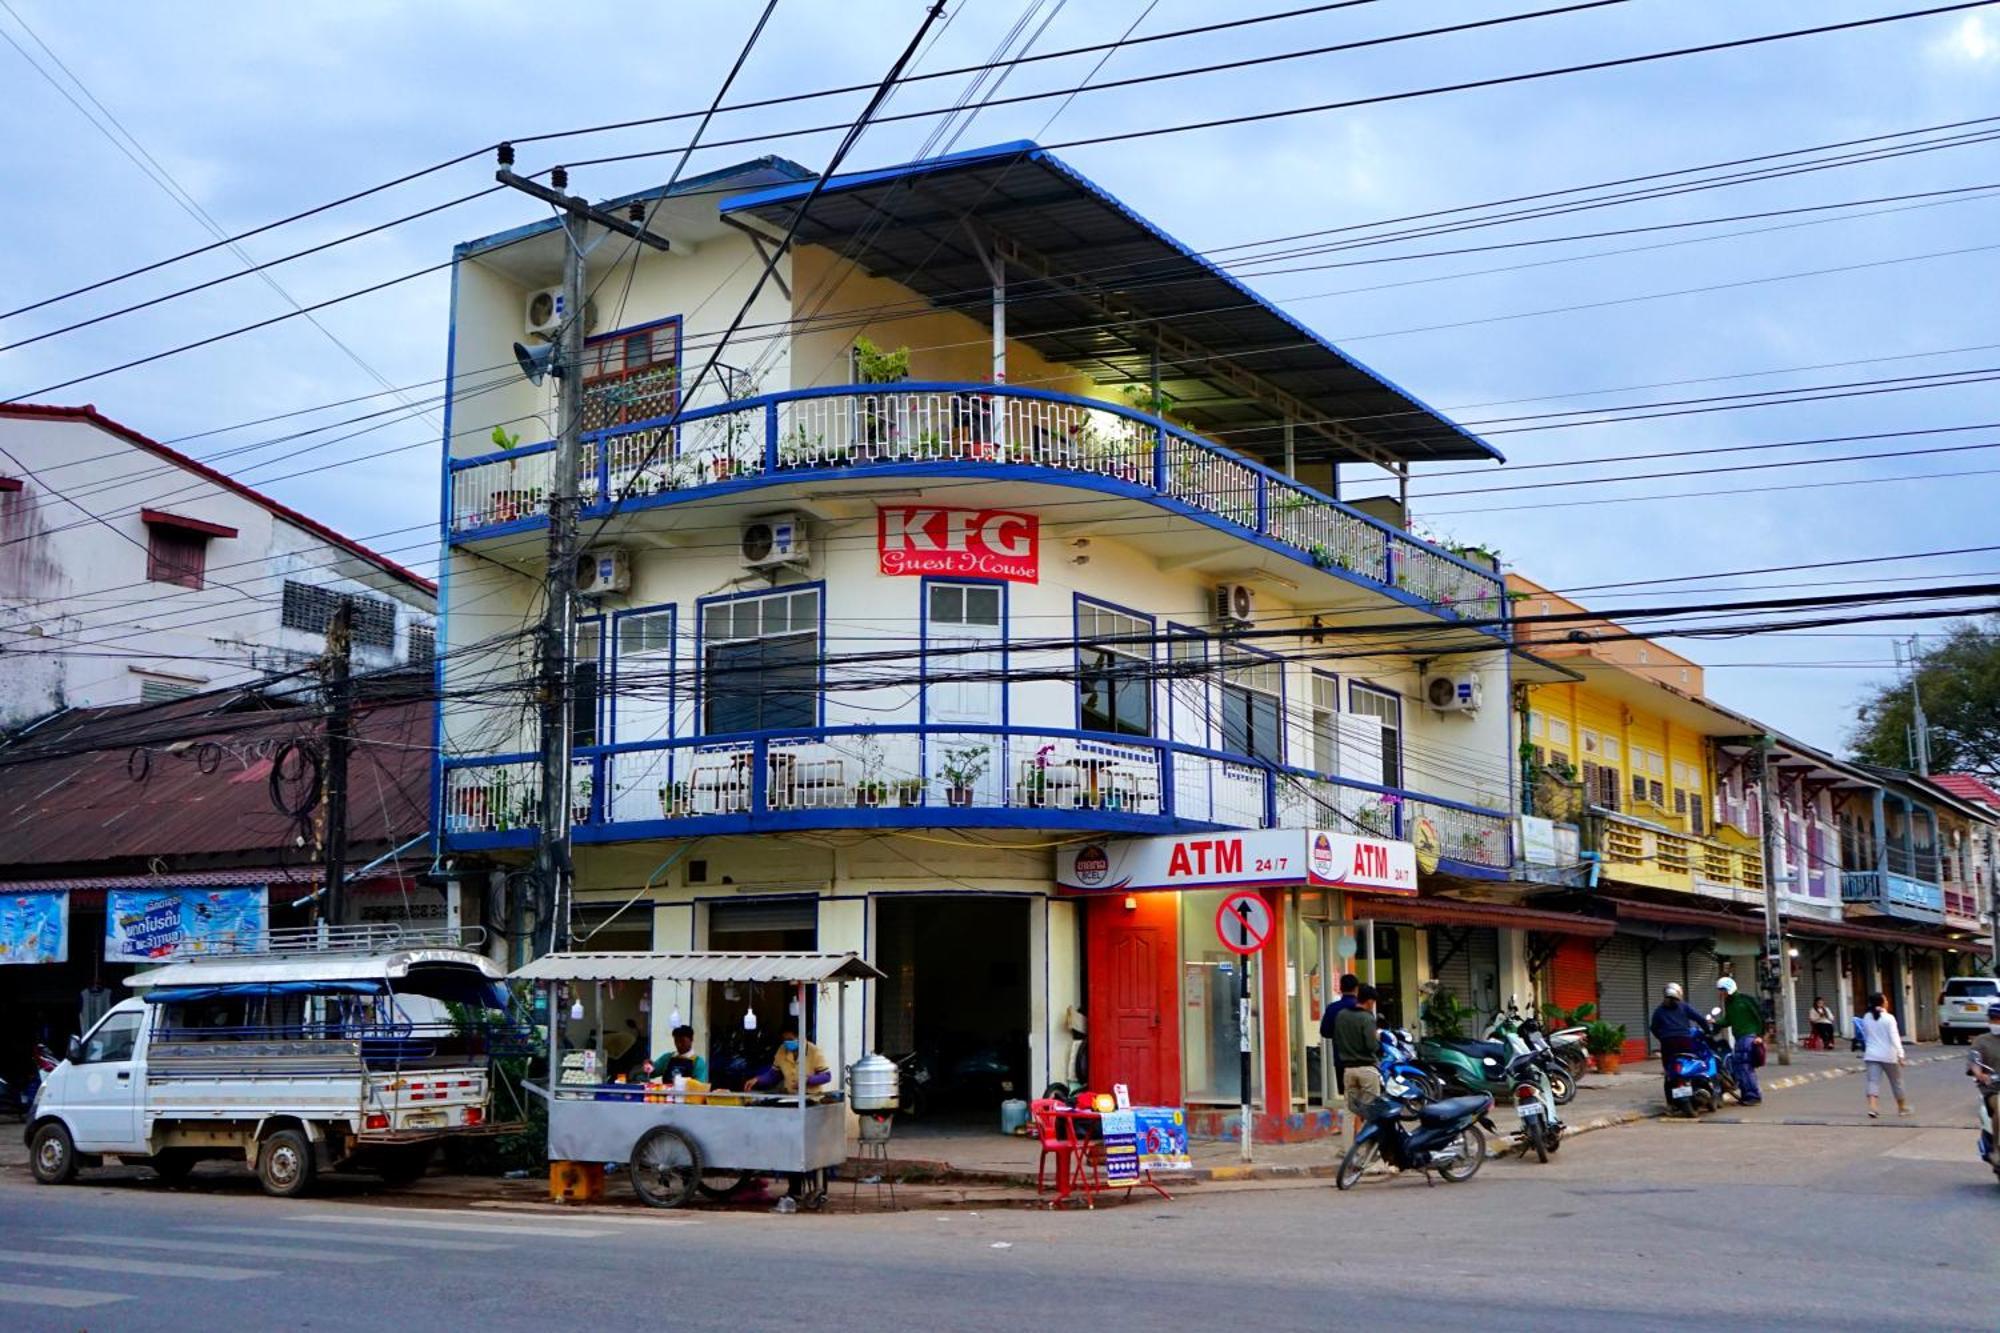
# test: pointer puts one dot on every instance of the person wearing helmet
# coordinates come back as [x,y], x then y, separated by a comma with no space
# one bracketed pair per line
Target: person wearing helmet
[1983,1063]
[1676,1026]
[1744,1018]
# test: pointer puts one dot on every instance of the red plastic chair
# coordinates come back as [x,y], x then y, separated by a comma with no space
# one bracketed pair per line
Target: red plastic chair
[1055,1125]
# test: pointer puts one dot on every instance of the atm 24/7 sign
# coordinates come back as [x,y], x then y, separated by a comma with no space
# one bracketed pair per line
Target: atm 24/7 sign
[1317,857]
[982,543]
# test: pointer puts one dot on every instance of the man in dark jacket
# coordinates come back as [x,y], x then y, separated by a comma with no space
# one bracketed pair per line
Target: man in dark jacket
[1678,1028]
[1349,984]
[1354,1049]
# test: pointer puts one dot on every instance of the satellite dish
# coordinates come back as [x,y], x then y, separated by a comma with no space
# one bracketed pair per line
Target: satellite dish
[536,362]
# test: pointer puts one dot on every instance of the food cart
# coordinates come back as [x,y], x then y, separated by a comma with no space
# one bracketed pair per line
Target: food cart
[678,1141]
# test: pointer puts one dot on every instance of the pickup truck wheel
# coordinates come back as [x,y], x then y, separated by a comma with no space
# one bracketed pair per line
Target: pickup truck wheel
[53,1154]
[285,1164]
[172,1167]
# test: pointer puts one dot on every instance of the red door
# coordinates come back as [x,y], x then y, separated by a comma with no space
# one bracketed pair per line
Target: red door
[1134,1021]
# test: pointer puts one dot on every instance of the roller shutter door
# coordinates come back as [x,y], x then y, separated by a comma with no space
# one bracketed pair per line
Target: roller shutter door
[1621,986]
[1451,964]
[1702,969]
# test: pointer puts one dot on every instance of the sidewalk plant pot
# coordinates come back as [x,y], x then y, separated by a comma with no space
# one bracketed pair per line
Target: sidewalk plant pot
[1606,1041]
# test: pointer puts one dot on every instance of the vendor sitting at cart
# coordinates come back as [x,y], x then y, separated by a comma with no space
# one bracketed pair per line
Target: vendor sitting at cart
[783,1074]
[681,1063]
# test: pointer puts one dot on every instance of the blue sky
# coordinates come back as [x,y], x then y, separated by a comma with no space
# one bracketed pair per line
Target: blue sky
[259,110]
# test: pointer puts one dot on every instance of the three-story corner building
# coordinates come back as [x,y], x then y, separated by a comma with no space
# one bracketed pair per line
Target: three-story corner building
[1004,528]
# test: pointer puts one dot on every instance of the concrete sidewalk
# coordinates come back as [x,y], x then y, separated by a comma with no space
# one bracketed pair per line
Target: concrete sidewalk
[977,1157]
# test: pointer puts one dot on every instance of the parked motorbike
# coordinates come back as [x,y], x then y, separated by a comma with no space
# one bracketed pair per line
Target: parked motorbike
[1569,1044]
[1449,1138]
[1700,1079]
[1402,1075]
[1535,1103]
[21,1101]
[1476,1065]
[1514,1027]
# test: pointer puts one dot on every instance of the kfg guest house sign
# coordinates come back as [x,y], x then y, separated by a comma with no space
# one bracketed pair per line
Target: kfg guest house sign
[981,543]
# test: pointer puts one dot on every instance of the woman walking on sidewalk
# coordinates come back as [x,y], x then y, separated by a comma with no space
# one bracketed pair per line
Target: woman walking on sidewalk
[1882,1051]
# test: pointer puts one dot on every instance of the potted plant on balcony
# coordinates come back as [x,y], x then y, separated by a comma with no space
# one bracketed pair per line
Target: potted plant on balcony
[1606,1041]
[870,793]
[962,768]
[676,800]
[909,792]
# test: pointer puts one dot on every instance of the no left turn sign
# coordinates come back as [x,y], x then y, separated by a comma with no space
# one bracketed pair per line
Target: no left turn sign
[1243,922]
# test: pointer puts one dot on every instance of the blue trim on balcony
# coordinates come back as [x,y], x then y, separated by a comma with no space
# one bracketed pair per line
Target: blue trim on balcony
[1155,491]
[760,817]
[1892,894]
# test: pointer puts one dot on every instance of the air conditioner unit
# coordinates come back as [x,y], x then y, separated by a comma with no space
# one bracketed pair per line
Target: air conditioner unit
[544,315]
[1235,606]
[773,541]
[605,570]
[1454,694]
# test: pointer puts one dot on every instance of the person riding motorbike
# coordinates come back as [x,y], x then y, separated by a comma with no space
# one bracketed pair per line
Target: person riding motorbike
[1983,1063]
[1678,1027]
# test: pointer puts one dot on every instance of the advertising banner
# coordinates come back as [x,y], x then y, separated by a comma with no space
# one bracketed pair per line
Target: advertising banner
[154,924]
[982,543]
[1318,857]
[34,927]
[1161,1134]
[1121,1148]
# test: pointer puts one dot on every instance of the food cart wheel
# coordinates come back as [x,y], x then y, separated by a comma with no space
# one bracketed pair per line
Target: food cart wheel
[665,1168]
[722,1184]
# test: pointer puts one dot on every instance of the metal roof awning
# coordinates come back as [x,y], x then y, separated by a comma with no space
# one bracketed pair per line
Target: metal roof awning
[1454,912]
[1668,915]
[1092,284]
[793,968]
[1847,930]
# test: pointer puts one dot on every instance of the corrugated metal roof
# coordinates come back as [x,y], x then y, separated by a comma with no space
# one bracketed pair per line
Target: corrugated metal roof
[341,967]
[904,223]
[794,968]
[1967,787]
[125,786]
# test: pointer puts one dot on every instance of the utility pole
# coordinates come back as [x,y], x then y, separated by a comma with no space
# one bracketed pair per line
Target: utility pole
[1777,966]
[554,868]
[1920,727]
[339,684]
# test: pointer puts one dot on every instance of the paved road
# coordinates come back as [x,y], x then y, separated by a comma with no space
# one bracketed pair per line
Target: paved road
[1799,1214]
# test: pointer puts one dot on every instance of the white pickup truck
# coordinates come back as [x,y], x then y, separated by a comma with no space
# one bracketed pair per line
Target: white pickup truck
[293,1065]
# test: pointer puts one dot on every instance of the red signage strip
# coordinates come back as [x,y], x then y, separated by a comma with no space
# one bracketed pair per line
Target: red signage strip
[981,543]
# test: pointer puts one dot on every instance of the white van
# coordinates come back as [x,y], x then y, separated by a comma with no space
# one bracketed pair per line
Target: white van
[294,1065]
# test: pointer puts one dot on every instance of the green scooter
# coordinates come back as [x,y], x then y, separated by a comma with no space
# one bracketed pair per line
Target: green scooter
[1474,1064]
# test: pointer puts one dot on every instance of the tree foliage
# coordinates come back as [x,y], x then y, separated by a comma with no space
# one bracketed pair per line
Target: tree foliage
[1959,678]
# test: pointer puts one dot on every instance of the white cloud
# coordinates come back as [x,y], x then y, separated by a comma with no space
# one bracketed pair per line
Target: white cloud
[1971,41]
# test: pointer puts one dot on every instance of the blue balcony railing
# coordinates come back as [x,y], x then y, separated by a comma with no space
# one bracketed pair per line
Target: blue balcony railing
[942,776]
[1897,895]
[980,429]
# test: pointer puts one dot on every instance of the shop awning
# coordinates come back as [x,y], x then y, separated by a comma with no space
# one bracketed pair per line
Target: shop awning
[1848,930]
[792,968]
[1668,915]
[1456,912]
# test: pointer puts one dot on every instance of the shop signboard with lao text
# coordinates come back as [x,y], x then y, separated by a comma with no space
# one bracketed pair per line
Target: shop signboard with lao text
[1317,857]
[152,924]
[976,543]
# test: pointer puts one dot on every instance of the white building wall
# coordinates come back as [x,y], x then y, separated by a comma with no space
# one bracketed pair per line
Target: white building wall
[81,624]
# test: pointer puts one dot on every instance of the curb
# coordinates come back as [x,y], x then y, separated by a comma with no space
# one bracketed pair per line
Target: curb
[941,1173]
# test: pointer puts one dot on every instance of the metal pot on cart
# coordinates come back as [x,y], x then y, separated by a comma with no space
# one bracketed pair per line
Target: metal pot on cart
[677,1142]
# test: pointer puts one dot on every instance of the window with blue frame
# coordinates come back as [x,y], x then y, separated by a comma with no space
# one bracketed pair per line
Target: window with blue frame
[584,673]
[1253,705]
[760,662]
[1114,684]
